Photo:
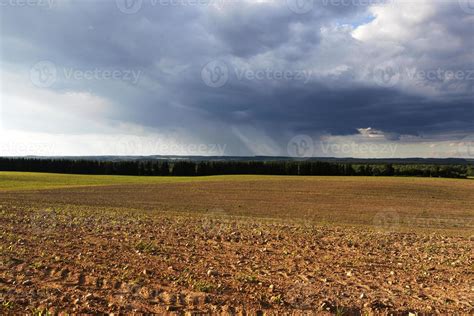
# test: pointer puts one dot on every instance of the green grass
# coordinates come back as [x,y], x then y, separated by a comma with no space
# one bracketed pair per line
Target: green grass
[37,181]
[28,181]
[203,286]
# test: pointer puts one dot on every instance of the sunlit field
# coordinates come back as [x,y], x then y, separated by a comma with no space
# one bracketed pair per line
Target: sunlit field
[229,244]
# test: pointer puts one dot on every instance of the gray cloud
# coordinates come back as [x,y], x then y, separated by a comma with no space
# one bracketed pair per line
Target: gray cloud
[317,73]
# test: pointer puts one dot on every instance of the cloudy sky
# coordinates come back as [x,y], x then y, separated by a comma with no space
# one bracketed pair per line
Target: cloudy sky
[360,78]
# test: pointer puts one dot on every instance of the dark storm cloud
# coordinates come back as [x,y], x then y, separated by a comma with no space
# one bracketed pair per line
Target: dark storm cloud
[287,72]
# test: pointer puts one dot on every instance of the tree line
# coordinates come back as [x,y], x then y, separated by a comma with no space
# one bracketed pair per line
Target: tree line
[207,168]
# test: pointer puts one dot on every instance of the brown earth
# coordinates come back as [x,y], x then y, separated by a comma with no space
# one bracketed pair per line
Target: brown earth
[320,245]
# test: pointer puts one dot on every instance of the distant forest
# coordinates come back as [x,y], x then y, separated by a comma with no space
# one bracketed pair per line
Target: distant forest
[205,168]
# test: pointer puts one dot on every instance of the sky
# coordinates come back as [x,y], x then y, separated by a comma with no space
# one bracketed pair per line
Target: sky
[299,78]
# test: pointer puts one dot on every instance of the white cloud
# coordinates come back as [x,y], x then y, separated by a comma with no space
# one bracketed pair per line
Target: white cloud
[30,108]
[371,133]
[396,21]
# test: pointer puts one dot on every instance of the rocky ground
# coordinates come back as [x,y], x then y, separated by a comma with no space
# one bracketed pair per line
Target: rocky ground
[110,260]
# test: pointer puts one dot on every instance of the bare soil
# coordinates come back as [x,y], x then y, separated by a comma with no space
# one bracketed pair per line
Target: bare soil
[247,247]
